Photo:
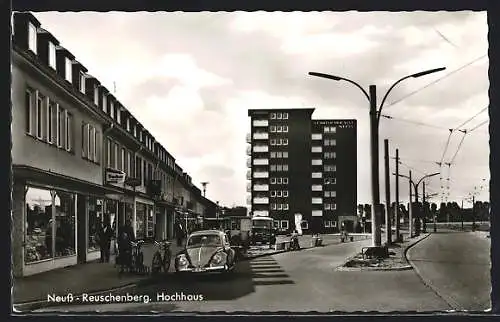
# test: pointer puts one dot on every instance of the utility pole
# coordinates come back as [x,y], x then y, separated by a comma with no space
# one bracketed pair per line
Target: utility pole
[462,214]
[424,209]
[397,220]
[473,212]
[410,210]
[388,226]
[376,236]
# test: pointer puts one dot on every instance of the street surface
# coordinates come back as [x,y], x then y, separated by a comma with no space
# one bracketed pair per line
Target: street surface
[457,266]
[293,281]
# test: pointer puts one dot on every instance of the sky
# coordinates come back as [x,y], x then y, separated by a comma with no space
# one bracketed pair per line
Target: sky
[190,78]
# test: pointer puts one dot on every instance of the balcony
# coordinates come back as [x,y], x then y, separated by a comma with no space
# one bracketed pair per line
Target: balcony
[249,175]
[261,200]
[317,162]
[249,150]
[249,163]
[261,136]
[317,136]
[317,201]
[261,187]
[317,213]
[249,138]
[317,149]
[261,148]
[263,123]
[261,213]
[249,187]
[317,187]
[261,161]
[261,174]
[249,200]
[317,175]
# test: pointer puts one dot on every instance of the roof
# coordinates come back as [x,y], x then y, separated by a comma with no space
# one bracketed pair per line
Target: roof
[252,112]
[207,232]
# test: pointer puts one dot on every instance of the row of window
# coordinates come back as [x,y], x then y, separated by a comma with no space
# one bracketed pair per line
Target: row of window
[330,142]
[279,193]
[329,206]
[330,155]
[48,121]
[279,206]
[108,107]
[279,155]
[279,141]
[279,180]
[278,129]
[330,129]
[278,167]
[283,224]
[329,168]
[279,116]
[91,143]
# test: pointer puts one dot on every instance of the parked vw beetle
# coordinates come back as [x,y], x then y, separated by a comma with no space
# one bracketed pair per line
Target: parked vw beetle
[206,251]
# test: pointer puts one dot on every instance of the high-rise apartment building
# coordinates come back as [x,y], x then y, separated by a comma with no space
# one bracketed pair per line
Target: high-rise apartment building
[299,165]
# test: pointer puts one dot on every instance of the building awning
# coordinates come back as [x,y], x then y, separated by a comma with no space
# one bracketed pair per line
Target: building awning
[26,173]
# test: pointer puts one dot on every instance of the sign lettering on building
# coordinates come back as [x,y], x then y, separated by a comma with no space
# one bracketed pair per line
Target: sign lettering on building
[115,176]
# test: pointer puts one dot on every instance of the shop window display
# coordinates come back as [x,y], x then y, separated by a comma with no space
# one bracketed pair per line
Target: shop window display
[65,224]
[95,218]
[38,229]
[150,225]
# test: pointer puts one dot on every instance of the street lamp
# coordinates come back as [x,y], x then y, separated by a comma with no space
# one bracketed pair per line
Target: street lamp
[415,186]
[374,147]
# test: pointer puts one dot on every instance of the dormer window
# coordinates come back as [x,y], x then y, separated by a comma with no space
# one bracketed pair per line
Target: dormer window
[104,102]
[52,55]
[112,110]
[82,82]
[68,70]
[32,36]
[96,95]
[118,116]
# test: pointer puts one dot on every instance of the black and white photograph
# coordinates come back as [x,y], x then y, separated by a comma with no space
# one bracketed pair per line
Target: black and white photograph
[201,162]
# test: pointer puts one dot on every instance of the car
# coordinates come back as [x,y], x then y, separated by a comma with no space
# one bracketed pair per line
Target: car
[206,251]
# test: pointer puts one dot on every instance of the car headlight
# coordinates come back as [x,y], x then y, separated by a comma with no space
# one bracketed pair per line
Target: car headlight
[217,259]
[182,261]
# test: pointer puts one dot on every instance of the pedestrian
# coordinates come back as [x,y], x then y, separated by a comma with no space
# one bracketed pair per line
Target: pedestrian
[179,233]
[125,237]
[105,235]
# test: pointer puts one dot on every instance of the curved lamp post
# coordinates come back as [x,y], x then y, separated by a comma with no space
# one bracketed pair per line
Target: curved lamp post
[374,147]
[415,186]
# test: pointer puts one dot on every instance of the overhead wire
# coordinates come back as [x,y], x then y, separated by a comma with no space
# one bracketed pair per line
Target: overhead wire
[412,122]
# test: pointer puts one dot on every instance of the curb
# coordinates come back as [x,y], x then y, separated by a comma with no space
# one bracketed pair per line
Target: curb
[406,267]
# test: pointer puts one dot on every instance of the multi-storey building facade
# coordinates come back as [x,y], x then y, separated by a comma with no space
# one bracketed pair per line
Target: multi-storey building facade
[80,158]
[294,169]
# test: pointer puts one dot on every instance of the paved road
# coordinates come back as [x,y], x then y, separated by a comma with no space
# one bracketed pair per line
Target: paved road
[457,266]
[294,281]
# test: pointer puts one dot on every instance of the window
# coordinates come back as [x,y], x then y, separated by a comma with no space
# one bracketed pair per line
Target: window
[97,146]
[285,193]
[138,168]
[273,116]
[274,206]
[91,147]
[123,160]
[273,141]
[68,70]
[108,153]
[330,155]
[285,207]
[32,43]
[61,126]
[279,181]
[285,180]
[280,206]
[279,193]
[52,55]
[112,110]
[331,142]
[285,116]
[327,224]
[273,154]
[330,168]
[85,140]
[279,129]
[96,95]
[69,131]
[279,116]
[272,128]
[52,122]
[304,224]
[284,224]
[39,116]
[279,141]
[327,206]
[285,128]
[119,115]
[285,167]
[135,131]
[285,141]
[279,167]
[116,155]
[82,82]
[273,193]
[273,180]
[128,124]
[285,154]
[29,109]
[272,167]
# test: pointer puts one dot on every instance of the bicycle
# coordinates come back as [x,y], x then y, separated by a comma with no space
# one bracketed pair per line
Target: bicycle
[162,257]
[137,260]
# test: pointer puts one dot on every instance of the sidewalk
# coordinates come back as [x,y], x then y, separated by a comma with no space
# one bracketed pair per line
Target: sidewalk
[89,277]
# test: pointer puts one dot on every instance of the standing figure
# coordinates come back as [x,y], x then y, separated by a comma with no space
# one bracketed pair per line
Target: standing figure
[179,233]
[125,237]
[105,235]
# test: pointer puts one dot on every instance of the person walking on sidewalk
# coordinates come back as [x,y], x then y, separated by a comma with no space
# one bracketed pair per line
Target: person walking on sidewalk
[105,235]
[179,233]
[125,237]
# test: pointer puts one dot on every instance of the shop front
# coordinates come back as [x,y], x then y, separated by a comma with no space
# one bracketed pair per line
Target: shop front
[144,221]
[54,221]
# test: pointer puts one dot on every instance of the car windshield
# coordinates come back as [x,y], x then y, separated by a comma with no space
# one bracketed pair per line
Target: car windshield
[198,240]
